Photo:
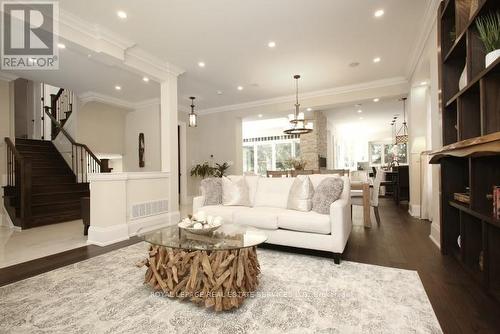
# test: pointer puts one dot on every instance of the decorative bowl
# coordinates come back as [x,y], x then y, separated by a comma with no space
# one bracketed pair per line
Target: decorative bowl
[200,231]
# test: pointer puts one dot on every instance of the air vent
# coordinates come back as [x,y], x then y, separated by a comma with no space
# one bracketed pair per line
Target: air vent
[147,209]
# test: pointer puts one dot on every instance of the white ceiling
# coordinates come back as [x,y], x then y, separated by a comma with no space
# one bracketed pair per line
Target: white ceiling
[318,39]
[376,117]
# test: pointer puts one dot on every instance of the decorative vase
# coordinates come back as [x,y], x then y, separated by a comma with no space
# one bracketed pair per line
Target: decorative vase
[491,57]
[463,79]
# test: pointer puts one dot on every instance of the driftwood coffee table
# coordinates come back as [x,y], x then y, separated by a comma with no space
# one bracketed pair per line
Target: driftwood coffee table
[218,270]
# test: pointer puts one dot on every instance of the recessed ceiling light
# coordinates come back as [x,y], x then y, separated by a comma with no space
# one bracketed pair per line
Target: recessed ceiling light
[361,118]
[121,14]
[145,79]
[271,44]
[61,46]
[360,111]
[240,87]
[309,109]
[201,64]
[379,13]
[219,92]
[377,60]
[423,83]
[118,87]
[260,115]
[376,99]
[89,55]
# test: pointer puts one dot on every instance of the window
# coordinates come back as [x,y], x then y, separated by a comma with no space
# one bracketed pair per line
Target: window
[269,153]
[383,153]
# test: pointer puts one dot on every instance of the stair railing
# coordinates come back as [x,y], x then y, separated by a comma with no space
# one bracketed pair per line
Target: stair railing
[61,106]
[83,160]
[19,179]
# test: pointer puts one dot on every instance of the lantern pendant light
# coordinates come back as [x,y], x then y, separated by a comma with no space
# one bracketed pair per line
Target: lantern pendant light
[402,135]
[193,118]
[298,124]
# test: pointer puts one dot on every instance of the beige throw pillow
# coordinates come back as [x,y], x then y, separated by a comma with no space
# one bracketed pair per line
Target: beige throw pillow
[235,192]
[301,194]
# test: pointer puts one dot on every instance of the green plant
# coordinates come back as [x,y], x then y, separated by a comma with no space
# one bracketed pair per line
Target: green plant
[488,27]
[204,170]
[298,164]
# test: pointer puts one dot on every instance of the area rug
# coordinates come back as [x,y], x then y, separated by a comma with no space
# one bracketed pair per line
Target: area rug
[297,294]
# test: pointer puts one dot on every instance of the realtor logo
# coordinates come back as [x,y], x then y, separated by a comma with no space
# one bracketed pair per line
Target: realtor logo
[30,35]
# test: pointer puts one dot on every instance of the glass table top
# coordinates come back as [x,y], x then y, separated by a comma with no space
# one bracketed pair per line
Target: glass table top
[226,237]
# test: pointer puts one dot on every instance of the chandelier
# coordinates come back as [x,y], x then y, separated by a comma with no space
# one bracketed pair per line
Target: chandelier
[402,135]
[298,124]
[192,115]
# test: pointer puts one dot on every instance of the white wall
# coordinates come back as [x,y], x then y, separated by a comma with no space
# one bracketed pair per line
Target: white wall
[102,127]
[6,130]
[145,120]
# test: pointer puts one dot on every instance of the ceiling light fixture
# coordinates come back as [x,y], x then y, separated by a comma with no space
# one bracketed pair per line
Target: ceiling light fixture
[201,64]
[192,116]
[423,83]
[360,111]
[377,60]
[309,109]
[219,92]
[361,118]
[240,87]
[61,46]
[121,14]
[376,100]
[271,44]
[402,135]
[299,125]
[379,13]
[145,79]
[260,115]
[118,87]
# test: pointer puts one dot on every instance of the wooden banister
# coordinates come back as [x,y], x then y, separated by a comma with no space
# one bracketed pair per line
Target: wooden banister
[83,160]
[19,177]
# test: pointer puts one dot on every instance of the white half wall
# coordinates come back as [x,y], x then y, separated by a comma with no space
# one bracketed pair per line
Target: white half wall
[112,197]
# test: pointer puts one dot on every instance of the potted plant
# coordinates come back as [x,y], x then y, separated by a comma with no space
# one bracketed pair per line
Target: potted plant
[298,164]
[488,27]
[204,170]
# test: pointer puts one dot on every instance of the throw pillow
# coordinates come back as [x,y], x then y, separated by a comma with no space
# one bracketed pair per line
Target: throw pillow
[301,193]
[327,192]
[235,191]
[211,189]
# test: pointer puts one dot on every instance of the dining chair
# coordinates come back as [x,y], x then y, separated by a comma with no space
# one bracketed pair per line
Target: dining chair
[294,173]
[340,172]
[279,173]
[374,196]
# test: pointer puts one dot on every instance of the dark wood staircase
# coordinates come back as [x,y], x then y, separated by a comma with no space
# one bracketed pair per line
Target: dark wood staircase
[55,193]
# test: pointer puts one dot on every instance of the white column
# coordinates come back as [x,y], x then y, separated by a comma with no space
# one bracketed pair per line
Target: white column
[168,135]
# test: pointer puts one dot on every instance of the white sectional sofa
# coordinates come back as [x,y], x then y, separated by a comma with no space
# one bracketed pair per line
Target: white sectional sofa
[268,212]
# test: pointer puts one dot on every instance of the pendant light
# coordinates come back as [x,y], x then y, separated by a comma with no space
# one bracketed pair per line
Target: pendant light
[192,116]
[298,124]
[402,135]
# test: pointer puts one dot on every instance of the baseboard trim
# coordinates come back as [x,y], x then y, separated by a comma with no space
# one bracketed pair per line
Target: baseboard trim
[434,236]
[104,236]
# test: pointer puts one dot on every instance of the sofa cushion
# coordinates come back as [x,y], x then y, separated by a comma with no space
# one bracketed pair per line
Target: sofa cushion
[301,193]
[317,178]
[211,190]
[226,212]
[252,183]
[273,192]
[261,217]
[328,191]
[311,222]
[235,192]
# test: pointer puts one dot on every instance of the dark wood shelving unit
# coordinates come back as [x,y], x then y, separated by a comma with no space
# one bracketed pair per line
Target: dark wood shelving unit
[470,158]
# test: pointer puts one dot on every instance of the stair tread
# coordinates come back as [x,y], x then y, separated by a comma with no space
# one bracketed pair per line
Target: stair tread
[57,202]
[54,214]
[60,192]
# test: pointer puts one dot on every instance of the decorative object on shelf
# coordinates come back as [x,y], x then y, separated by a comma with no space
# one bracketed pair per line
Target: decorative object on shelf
[297,164]
[481,261]
[496,202]
[459,241]
[200,223]
[463,78]
[141,150]
[462,197]
[488,27]
[193,118]
[298,124]
[402,135]
[474,5]
[204,169]
[453,35]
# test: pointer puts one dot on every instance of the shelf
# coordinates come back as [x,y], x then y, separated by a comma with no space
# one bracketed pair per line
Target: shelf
[459,47]
[478,215]
[478,146]
[493,67]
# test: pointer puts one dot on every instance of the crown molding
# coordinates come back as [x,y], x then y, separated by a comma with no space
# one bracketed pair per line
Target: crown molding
[427,23]
[122,50]
[110,100]
[6,76]
[309,95]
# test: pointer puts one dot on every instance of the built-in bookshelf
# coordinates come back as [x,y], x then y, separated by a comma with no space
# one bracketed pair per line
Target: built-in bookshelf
[470,158]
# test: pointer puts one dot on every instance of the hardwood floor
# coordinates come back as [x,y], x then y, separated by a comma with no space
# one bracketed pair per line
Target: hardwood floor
[400,241]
